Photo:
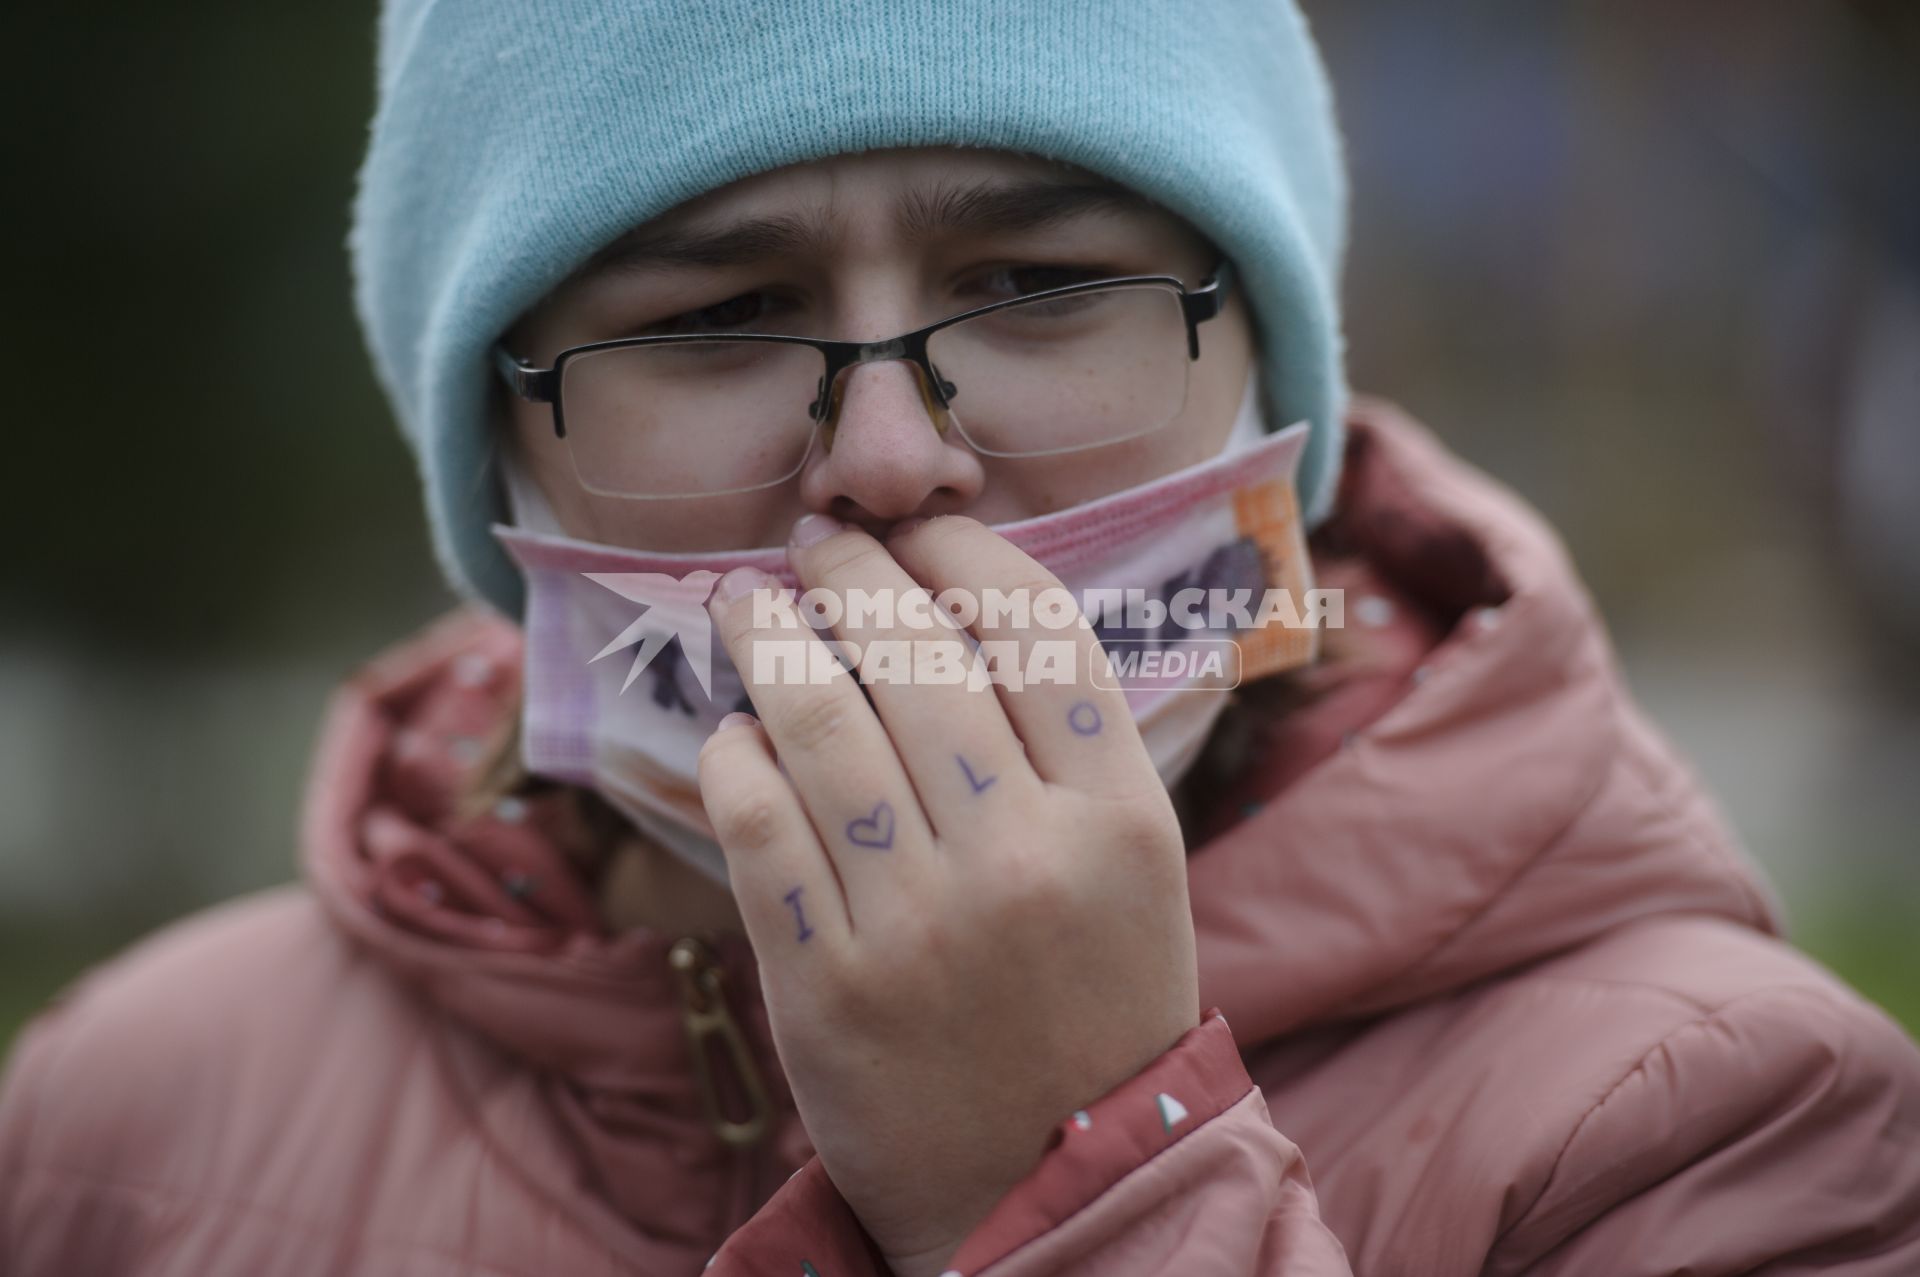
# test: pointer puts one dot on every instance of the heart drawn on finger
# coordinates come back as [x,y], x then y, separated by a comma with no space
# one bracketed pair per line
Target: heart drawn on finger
[875,830]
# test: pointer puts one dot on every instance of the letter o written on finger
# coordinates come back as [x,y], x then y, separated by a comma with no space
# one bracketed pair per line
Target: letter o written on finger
[1084,718]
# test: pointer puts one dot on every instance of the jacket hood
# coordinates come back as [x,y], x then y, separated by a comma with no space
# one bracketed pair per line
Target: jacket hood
[1468,789]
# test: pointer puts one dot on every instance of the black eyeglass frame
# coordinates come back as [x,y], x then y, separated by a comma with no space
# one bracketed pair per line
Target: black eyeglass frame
[542,385]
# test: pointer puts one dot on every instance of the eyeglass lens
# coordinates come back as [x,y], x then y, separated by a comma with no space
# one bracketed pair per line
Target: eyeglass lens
[1048,376]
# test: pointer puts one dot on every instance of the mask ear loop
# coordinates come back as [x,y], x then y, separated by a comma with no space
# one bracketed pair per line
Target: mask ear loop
[1250,426]
[527,505]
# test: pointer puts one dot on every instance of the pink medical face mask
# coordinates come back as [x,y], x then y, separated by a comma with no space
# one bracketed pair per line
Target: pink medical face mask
[594,715]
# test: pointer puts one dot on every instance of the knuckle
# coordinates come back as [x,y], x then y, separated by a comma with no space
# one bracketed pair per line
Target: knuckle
[936,944]
[1031,887]
[1146,824]
[813,721]
[845,555]
[934,659]
[1042,595]
[854,996]
[944,530]
[1035,585]
[749,823]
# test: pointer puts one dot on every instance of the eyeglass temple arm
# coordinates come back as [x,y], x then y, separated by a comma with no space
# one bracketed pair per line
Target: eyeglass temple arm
[532,384]
[1205,302]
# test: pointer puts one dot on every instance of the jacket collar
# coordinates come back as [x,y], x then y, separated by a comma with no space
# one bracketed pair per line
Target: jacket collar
[1459,808]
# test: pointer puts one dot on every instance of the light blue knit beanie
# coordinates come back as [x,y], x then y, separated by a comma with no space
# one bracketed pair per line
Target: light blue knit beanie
[513,140]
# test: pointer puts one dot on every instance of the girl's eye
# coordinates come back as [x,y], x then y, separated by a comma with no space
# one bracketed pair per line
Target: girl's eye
[1004,282]
[754,311]
[736,314]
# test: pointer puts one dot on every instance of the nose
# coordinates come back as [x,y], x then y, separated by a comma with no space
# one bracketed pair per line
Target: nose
[888,461]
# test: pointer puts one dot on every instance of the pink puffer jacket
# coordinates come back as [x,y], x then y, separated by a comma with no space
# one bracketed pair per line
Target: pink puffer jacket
[1490,990]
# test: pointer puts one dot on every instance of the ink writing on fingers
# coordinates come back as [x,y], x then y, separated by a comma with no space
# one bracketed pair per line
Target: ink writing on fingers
[799,915]
[875,830]
[977,783]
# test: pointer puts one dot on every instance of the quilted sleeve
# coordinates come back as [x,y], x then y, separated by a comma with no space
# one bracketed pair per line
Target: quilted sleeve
[41,1230]
[1778,1135]
[1176,1170]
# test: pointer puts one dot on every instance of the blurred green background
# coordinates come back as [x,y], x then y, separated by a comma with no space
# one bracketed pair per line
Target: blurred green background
[1656,266]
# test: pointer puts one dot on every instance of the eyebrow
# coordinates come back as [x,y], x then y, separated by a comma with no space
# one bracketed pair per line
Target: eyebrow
[983,207]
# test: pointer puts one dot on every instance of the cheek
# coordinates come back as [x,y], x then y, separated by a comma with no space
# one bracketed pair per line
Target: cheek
[1215,389]
[749,520]
[1043,485]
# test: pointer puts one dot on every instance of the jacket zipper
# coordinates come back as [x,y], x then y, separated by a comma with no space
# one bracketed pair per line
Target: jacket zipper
[710,1023]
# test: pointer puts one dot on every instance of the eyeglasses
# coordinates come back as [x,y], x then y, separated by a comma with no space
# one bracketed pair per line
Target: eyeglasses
[707,414]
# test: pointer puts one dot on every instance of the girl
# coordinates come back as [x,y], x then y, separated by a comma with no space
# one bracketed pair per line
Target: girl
[621,949]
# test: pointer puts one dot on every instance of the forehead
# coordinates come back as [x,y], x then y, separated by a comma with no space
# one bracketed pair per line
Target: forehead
[905,194]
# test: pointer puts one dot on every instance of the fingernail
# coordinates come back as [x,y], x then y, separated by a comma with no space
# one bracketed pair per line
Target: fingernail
[905,526]
[739,581]
[813,528]
[736,719]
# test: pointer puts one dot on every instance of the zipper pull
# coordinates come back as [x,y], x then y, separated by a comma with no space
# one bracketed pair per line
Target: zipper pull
[705,1012]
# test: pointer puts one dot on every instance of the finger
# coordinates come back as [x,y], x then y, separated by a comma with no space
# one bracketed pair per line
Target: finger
[1076,724]
[951,733]
[842,766]
[781,876]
